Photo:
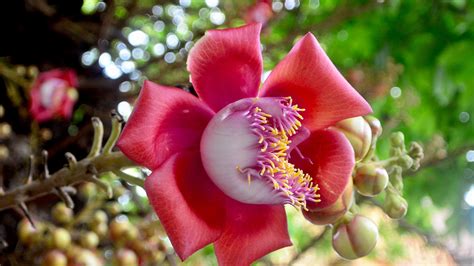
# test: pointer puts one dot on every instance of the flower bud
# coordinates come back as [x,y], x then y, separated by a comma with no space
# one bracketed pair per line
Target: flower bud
[375,126]
[331,213]
[54,258]
[370,180]
[398,140]
[396,177]
[125,257]
[356,238]
[61,213]
[416,152]
[359,134]
[395,206]
[405,161]
[89,240]
[60,239]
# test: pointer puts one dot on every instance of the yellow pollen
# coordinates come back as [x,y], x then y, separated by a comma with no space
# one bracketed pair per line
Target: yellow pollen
[283,174]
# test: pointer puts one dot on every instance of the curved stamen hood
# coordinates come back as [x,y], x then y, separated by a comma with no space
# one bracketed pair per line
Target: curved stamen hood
[245,150]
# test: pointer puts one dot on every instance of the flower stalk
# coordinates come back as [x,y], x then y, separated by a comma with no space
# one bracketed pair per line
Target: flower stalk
[98,135]
[88,169]
[129,178]
[117,122]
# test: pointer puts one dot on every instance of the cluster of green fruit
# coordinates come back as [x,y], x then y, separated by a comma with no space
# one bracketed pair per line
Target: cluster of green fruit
[354,235]
[97,235]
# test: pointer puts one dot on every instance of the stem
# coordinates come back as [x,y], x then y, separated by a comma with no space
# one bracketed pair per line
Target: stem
[98,134]
[129,178]
[114,133]
[388,162]
[64,177]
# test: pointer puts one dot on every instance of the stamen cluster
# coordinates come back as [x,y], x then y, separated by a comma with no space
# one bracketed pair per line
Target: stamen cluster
[274,134]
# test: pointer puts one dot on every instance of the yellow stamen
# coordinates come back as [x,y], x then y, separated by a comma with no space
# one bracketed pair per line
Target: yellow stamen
[289,176]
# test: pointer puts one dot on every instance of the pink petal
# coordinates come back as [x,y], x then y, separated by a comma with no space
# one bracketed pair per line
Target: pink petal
[42,115]
[67,107]
[68,75]
[310,78]
[333,160]
[165,121]
[188,204]
[251,231]
[226,65]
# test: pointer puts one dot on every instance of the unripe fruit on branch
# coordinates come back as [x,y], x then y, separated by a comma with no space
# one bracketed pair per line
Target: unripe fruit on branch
[125,257]
[359,134]
[370,179]
[331,213]
[395,206]
[100,229]
[89,240]
[54,258]
[61,213]
[87,190]
[122,230]
[86,257]
[99,217]
[113,208]
[27,234]
[355,238]
[60,239]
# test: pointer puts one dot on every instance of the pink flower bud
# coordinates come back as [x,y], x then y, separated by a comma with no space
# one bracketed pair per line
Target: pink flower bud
[333,212]
[53,94]
[370,180]
[395,206]
[375,125]
[356,238]
[359,134]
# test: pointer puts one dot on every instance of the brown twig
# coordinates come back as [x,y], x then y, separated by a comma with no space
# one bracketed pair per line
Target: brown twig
[64,177]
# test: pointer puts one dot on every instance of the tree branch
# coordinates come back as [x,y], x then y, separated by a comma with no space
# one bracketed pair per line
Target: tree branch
[64,177]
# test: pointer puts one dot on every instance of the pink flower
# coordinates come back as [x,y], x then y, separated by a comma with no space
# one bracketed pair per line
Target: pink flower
[221,166]
[53,95]
[260,12]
